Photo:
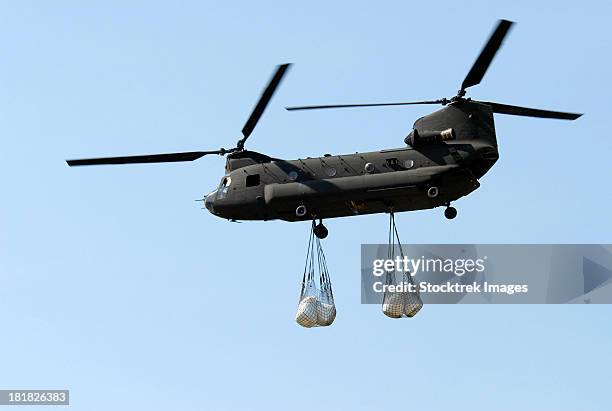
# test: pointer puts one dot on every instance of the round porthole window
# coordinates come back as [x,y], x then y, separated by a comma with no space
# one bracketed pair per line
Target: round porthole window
[330,171]
[293,175]
[369,168]
[408,163]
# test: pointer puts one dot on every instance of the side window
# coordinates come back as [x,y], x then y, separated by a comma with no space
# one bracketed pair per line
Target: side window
[393,164]
[252,180]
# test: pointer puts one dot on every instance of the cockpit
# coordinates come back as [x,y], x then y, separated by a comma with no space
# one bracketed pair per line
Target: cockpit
[218,194]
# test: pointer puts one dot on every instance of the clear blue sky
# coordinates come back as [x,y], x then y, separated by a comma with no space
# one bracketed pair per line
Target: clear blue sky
[116,285]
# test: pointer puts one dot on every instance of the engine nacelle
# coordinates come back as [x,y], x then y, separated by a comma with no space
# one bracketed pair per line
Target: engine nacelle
[420,138]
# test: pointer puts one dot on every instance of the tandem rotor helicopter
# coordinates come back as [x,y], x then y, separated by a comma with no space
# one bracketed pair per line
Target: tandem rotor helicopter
[447,152]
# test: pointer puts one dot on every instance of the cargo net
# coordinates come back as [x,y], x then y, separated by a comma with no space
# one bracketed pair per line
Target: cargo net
[316,307]
[402,303]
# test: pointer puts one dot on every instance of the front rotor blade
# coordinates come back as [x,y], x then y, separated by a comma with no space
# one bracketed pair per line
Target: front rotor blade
[150,158]
[485,58]
[443,101]
[530,112]
[265,98]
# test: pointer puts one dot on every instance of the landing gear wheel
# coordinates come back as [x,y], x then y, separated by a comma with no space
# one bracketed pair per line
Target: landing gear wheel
[320,231]
[450,212]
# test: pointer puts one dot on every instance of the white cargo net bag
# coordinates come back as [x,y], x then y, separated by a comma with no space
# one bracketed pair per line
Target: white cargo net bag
[316,307]
[398,304]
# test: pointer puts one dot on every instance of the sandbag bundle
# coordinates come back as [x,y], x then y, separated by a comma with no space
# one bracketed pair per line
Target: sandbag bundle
[398,304]
[316,307]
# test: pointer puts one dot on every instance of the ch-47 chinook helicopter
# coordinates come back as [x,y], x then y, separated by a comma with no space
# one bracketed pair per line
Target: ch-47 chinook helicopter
[447,152]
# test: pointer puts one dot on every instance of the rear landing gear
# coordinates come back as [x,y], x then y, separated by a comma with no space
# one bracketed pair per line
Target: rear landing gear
[450,212]
[320,230]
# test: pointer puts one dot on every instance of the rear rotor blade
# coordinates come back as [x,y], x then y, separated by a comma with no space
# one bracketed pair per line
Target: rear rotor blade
[150,158]
[530,112]
[442,101]
[485,58]
[265,98]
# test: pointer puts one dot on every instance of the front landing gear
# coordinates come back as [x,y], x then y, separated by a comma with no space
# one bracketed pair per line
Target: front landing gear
[320,230]
[450,212]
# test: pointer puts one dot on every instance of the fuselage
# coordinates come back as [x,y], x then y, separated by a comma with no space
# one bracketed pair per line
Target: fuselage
[258,187]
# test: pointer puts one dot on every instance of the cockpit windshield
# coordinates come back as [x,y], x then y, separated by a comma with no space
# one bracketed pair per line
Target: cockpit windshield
[224,187]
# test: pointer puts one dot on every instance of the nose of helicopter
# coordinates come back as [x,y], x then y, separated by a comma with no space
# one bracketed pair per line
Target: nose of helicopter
[209,202]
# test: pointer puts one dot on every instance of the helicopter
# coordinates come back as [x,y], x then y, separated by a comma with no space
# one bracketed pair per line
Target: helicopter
[446,154]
